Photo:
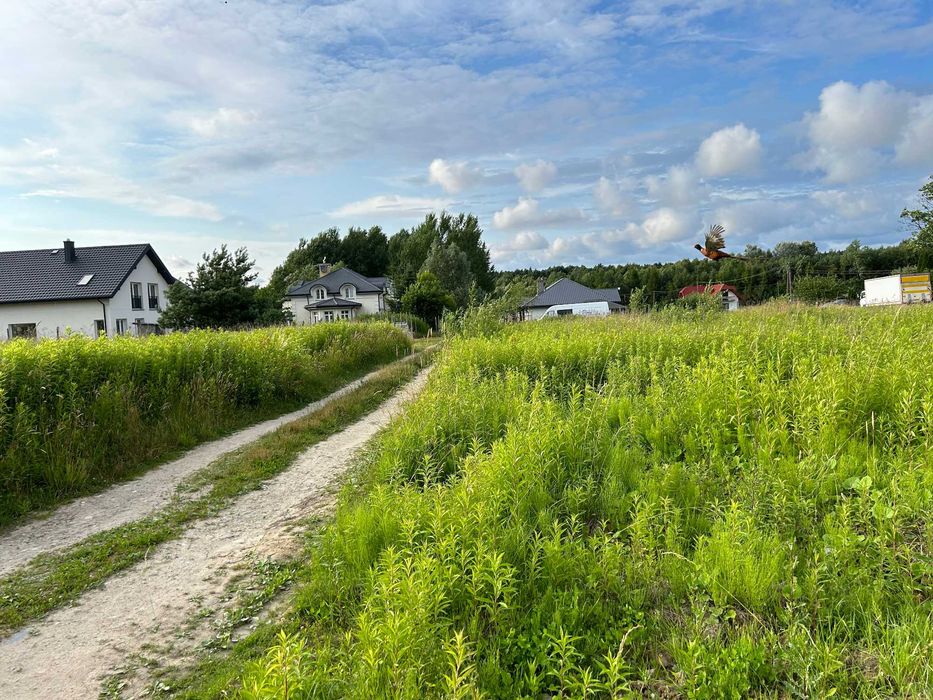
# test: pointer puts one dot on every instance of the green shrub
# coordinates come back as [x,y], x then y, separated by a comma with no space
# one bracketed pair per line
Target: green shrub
[77,413]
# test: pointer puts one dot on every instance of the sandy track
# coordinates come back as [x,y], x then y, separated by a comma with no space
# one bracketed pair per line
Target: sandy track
[67,654]
[134,499]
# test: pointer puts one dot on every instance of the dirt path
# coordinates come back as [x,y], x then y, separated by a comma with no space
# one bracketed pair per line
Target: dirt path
[134,499]
[67,654]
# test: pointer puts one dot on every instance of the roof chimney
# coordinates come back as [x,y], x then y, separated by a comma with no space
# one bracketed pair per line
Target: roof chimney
[540,286]
[323,268]
[69,249]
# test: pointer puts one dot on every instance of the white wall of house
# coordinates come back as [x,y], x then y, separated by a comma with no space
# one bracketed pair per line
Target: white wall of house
[536,313]
[52,318]
[121,305]
[730,301]
[56,318]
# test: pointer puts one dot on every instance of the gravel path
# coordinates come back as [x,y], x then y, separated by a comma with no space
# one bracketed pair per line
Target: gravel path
[134,499]
[68,654]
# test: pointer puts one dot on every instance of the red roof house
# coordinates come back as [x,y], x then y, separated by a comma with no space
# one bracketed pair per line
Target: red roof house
[731,299]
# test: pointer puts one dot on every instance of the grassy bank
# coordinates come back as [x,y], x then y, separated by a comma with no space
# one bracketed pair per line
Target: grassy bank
[54,580]
[77,414]
[700,506]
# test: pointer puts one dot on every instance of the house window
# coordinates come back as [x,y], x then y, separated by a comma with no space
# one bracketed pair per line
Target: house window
[22,330]
[348,291]
[136,292]
[316,315]
[320,293]
[99,328]
[328,315]
[140,326]
[121,326]
[153,296]
[345,314]
[83,282]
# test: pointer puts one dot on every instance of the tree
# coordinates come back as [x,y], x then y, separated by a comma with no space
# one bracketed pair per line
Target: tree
[219,294]
[301,264]
[366,251]
[815,289]
[452,268]
[427,299]
[638,301]
[921,220]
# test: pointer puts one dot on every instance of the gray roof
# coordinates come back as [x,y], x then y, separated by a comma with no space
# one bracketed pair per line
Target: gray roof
[334,280]
[332,303]
[47,275]
[565,291]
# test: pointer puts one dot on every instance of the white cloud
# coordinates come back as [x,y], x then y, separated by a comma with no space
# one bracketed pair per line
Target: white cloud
[611,198]
[221,122]
[680,187]
[736,149]
[453,177]
[661,226]
[389,205]
[745,221]
[527,214]
[526,240]
[534,177]
[860,129]
[915,146]
[849,205]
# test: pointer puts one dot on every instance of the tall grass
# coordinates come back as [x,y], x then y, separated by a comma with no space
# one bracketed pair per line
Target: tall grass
[698,506]
[75,413]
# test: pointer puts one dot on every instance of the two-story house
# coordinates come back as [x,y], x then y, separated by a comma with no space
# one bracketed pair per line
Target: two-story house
[112,290]
[336,295]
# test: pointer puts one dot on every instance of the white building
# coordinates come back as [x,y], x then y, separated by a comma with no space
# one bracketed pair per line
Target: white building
[114,289]
[727,294]
[336,295]
[563,295]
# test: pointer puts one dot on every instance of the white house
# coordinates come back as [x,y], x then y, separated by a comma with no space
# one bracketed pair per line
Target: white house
[566,293]
[340,294]
[113,289]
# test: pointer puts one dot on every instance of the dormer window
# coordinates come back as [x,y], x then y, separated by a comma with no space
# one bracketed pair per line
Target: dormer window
[83,282]
[348,291]
[320,293]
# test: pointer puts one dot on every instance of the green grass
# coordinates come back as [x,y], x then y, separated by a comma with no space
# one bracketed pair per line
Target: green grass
[51,581]
[78,414]
[695,505]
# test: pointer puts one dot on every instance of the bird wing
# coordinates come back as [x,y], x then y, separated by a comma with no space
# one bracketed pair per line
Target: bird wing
[714,239]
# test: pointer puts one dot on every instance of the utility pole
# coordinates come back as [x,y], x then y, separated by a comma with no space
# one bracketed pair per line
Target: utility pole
[790,281]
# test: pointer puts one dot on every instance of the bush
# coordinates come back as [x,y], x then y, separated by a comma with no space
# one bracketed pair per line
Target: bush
[77,413]
[419,327]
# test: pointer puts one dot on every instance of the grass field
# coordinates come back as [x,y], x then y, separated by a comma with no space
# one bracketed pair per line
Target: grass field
[77,414]
[693,505]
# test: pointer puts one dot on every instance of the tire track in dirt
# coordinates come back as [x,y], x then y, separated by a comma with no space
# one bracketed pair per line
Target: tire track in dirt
[132,500]
[70,652]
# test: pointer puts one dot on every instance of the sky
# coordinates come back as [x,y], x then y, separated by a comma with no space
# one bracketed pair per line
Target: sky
[578,132]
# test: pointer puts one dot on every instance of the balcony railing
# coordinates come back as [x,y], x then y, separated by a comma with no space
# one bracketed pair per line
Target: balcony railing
[153,302]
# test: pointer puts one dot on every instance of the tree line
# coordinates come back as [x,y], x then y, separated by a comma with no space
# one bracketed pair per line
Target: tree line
[443,264]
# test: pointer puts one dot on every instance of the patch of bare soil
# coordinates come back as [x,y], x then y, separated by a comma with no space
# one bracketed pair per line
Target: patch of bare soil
[70,652]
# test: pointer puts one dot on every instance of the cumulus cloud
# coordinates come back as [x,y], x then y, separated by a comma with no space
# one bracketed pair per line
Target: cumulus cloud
[534,177]
[736,149]
[526,213]
[849,205]
[389,205]
[861,128]
[453,177]
[612,198]
[526,240]
[680,187]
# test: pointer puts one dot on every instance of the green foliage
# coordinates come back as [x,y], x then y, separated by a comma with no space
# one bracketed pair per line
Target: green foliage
[813,290]
[418,325]
[427,299]
[921,220]
[452,268]
[220,294]
[640,506]
[638,301]
[76,413]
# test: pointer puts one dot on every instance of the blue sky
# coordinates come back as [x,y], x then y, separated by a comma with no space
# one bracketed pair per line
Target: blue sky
[578,132]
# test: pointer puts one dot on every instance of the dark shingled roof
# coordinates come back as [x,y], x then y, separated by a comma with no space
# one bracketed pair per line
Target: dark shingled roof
[565,291]
[47,275]
[333,281]
[332,303]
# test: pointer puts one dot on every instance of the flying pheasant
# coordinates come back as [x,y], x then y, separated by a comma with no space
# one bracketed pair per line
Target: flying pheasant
[715,244]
